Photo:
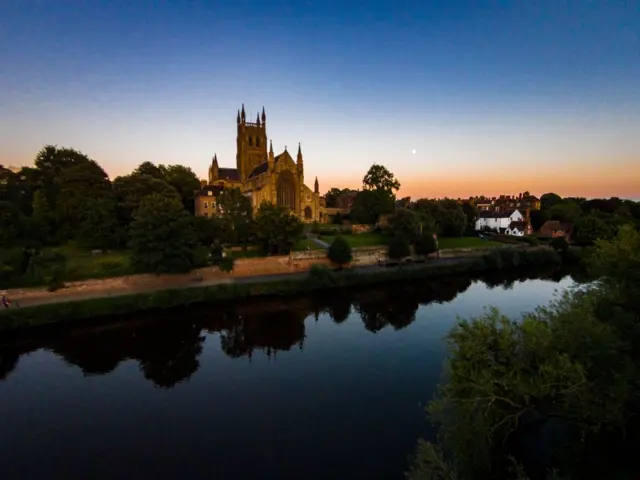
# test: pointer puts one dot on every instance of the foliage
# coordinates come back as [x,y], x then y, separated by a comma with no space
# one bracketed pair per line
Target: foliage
[321,276]
[236,213]
[559,244]
[589,229]
[379,179]
[99,227]
[398,247]
[370,204]
[339,252]
[448,216]
[148,168]
[162,238]
[277,230]
[407,223]
[538,218]
[184,181]
[226,264]
[548,200]
[130,190]
[331,197]
[562,380]
[425,244]
[209,230]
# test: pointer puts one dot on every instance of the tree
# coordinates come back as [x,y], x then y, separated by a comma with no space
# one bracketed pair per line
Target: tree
[370,204]
[565,211]
[331,197]
[76,184]
[559,244]
[277,229]
[538,218]
[405,222]
[209,230]
[590,228]
[100,227]
[398,248]
[236,213]
[340,251]
[130,190]
[380,179]
[148,168]
[548,200]
[184,181]
[162,238]
[449,218]
[425,244]
[226,264]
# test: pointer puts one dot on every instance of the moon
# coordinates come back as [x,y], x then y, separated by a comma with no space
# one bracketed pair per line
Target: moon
[413,152]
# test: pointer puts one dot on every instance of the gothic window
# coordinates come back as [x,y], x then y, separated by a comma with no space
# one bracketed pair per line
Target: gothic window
[258,142]
[250,142]
[286,190]
[307,213]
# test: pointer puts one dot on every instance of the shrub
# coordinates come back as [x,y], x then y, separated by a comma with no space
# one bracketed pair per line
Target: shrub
[425,244]
[321,276]
[108,266]
[339,252]
[226,264]
[398,248]
[559,244]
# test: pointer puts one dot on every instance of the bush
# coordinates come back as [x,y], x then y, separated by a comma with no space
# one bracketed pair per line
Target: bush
[425,245]
[559,244]
[339,252]
[398,248]
[226,264]
[321,276]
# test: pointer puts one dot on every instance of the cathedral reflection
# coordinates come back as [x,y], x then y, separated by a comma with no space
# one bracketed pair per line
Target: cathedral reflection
[167,344]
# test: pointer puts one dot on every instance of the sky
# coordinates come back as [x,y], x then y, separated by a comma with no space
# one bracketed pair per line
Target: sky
[494,97]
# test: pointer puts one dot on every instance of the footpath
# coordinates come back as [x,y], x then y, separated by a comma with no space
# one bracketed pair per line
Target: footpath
[146,283]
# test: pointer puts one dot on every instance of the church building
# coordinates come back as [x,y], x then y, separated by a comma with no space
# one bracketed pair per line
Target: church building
[262,175]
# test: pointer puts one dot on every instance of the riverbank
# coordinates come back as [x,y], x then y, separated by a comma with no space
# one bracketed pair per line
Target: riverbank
[68,309]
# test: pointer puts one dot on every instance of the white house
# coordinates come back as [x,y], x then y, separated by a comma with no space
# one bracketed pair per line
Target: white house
[497,221]
[519,229]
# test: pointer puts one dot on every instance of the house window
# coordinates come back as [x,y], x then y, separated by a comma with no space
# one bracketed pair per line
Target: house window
[206,204]
[210,193]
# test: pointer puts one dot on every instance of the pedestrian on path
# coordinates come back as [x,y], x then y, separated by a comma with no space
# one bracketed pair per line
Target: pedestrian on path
[5,301]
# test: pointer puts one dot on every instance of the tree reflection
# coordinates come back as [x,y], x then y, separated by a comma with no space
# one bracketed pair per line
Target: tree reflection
[167,344]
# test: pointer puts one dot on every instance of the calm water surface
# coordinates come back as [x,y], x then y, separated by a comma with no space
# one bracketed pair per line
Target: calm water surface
[311,388]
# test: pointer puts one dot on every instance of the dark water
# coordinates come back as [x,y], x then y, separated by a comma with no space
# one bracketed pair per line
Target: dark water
[313,388]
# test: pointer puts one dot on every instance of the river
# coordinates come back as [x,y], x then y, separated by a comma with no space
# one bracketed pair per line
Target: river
[329,386]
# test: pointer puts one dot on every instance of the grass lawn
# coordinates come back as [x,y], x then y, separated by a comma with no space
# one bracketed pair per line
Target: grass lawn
[466,242]
[360,239]
[82,264]
[305,243]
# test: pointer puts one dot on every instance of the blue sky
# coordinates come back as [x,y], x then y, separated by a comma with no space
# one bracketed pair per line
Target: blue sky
[492,95]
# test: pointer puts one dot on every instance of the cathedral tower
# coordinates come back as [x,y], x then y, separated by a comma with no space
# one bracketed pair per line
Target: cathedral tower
[251,143]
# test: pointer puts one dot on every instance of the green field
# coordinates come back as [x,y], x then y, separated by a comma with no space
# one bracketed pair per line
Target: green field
[81,263]
[360,239]
[303,243]
[466,242]
[375,239]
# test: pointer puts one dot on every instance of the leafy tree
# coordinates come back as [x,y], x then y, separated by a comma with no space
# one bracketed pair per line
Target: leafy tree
[130,190]
[425,244]
[340,251]
[148,168]
[559,244]
[162,238]
[470,212]
[277,229]
[226,264]
[548,200]
[76,184]
[538,218]
[565,211]
[12,222]
[184,181]
[405,222]
[236,212]
[398,248]
[100,227]
[380,179]
[370,204]
[590,228]
[209,230]
[331,197]
[450,220]
[43,214]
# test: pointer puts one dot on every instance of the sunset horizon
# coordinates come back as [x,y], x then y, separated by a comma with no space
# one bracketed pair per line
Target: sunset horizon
[456,101]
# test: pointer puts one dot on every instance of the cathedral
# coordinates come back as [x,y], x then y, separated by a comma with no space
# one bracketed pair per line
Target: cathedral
[264,176]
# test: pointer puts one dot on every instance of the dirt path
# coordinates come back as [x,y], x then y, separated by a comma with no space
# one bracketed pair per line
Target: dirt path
[132,284]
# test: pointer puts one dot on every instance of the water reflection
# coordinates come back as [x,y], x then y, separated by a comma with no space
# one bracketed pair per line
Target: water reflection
[167,344]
